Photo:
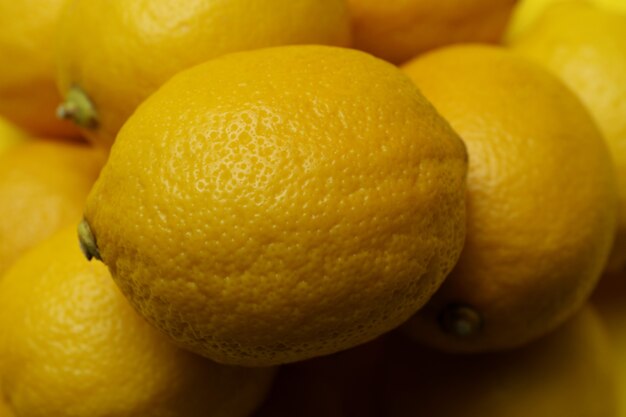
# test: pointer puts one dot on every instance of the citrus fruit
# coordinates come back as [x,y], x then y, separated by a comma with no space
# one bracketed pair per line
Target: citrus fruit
[586,47]
[542,200]
[71,345]
[28,93]
[43,186]
[398,30]
[526,13]
[340,385]
[274,205]
[566,373]
[112,54]
[9,135]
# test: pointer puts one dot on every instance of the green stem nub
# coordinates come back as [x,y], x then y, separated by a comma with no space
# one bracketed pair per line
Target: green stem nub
[87,241]
[78,108]
[460,320]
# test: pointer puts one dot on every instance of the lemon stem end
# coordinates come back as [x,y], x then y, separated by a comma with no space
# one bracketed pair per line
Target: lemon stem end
[79,109]
[88,241]
[460,320]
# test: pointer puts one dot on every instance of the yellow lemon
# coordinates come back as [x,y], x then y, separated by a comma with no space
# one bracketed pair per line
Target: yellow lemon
[526,13]
[274,205]
[542,200]
[9,135]
[398,30]
[569,372]
[586,47]
[72,346]
[28,93]
[43,187]
[112,54]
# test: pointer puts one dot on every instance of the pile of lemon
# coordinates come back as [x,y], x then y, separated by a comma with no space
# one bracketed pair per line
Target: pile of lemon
[313,208]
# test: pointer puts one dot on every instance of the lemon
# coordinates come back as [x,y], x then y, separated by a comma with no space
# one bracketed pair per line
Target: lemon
[527,12]
[398,30]
[28,93]
[586,47]
[275,205]
[542,200]
[72,346]
[43,187]
[112,54]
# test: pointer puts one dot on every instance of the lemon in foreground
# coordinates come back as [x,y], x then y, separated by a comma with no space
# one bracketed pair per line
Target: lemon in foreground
[542,200]
[72,346]
[275,205]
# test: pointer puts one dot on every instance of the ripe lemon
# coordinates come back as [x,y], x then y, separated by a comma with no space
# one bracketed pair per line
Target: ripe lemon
[541,204]
[43,187]
[567,373]
[527,12]
[9,135]
[28,93]
[112,54]
[586,47]
[398,30]
[274,205]
[71,345]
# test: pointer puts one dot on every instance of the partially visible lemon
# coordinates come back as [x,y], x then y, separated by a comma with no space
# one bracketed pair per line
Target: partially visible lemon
[28,93]
[542,200]
[43,187]
[72,346]
[586,47]
[112,54]
[569,372]
[527,12]
[398,30]
[274,205]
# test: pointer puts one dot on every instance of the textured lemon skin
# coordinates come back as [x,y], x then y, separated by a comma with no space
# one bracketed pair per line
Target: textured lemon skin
[569,372]
[280,204]
[542,198]
[72,346]
[398,30]
[43,187]
[28,92]
[586,48]
[119,51]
